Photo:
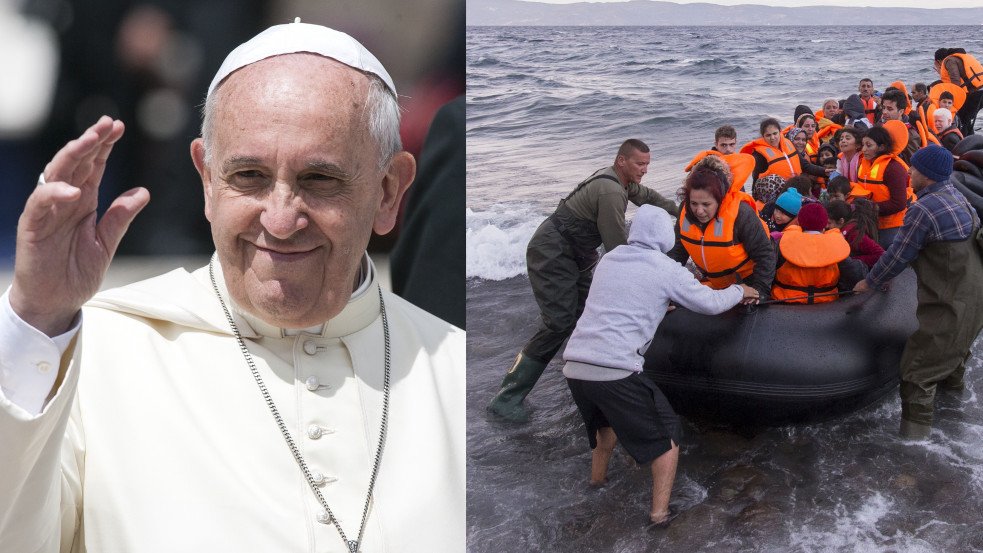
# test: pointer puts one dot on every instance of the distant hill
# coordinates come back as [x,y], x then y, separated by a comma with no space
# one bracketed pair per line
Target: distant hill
[647,12]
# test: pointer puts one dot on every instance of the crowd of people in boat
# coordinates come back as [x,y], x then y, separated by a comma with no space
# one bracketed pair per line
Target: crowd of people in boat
[831,190]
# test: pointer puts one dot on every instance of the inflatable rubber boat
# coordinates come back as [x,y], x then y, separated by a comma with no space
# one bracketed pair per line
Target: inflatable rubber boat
[795,363]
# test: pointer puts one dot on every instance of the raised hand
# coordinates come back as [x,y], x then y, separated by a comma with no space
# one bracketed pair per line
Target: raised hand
[63,252]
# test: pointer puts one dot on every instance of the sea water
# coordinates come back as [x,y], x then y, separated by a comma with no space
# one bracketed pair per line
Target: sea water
[547,107]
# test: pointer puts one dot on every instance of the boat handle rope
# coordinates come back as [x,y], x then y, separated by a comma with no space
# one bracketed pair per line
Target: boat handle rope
[752,307]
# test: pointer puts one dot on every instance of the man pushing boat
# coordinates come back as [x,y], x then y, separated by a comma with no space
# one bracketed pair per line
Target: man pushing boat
[560,260]
[937,239]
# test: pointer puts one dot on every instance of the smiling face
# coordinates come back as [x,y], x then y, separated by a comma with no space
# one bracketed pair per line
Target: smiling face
[772,135]
[703,205]
[800,141]
[293,189]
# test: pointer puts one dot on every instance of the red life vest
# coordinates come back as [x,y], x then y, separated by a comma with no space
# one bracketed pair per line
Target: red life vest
[810,266]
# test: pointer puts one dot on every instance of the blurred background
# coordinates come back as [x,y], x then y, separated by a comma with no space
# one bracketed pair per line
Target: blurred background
[66,62]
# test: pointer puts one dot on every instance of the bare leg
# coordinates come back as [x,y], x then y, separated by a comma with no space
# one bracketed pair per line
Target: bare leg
[601,455]
[663,475]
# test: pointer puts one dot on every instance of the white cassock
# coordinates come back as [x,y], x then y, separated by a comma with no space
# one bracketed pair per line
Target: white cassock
[159,440]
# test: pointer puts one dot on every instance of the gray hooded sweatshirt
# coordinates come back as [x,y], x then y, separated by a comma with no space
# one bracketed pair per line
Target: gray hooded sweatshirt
[633,285]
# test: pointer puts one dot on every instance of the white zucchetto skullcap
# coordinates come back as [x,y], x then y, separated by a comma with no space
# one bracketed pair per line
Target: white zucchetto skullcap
[292,38]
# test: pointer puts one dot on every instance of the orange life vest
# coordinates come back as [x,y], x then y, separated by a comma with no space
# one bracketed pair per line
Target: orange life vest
[926,135]
[714,250]
[812,148]
[958,132]
[971,67]
[869,108]
[827,131]
[700,156]
[783,162]
[871,176]
[810,266]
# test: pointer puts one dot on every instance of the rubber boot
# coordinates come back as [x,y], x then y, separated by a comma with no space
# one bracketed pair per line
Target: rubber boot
[914,431]
[516,385]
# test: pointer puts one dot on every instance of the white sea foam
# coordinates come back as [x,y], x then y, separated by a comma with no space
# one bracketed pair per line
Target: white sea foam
[496,242]
[857,531]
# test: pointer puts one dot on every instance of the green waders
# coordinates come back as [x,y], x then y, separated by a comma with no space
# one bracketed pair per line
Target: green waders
[950,316]
[560,289]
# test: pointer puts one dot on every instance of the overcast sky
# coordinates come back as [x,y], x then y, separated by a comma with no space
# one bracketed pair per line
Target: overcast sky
[796,3]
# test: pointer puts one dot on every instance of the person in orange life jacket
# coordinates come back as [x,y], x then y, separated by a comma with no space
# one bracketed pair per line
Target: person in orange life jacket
[773,154]
[848,140]
[893,105]
[812,260]
[831,108]
[724,143]
[807,122]
[938,242]
[956,66]
[720,230]
[838,188]
[629,297]
[857,222]
[947,101]
[725,140]
[855,116]
[560,258]
[946,129]
[800,141]
[869,100]
[886,179]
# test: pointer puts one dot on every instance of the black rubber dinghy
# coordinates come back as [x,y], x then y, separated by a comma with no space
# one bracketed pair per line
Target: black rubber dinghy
[783,364]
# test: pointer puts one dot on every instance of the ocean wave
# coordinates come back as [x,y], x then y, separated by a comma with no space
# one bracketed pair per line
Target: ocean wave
[496,243]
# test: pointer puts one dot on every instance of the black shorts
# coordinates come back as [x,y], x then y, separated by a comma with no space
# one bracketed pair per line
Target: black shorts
[634,408]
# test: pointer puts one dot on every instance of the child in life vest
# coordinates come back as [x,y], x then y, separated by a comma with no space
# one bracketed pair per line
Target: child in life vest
[812,262]
[838,188]
[786,210]
[857,222]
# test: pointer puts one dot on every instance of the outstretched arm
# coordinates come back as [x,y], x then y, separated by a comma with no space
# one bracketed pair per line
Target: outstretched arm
[62,250]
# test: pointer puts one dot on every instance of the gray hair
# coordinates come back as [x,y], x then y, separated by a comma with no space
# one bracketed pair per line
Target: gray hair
[381,108]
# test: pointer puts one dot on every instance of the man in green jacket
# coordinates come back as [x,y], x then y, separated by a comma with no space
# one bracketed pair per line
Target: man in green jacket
[560,259]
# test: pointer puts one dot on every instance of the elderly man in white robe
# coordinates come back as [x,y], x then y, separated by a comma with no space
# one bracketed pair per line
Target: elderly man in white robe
[274,400]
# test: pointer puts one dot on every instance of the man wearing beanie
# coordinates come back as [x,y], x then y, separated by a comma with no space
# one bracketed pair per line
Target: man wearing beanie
[812,261]
[937,239]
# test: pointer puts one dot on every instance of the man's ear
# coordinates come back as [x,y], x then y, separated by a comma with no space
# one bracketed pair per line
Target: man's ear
[198,157]
[395,182]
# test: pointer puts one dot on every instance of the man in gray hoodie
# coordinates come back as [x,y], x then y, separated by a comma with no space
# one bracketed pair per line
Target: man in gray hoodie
[633,285]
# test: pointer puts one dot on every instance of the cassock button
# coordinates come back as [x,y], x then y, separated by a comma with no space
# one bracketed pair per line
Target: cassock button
[320,479]
[312,383]
[314,432]
[310,348]
[323,517]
